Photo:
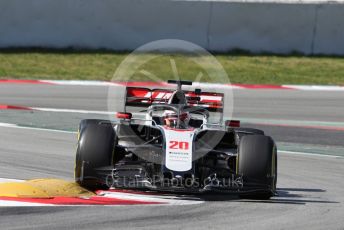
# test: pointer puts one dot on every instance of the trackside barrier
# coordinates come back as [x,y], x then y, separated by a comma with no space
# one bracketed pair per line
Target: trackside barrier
[278,27]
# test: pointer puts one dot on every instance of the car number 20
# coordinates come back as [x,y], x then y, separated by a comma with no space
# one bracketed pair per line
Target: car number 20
[179,145]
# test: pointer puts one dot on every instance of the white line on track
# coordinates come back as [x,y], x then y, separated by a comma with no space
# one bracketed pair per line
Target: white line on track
[321,124]
[309,154]
[72,111]
[8,125]
[291,122]
[80,83]
[324,124]
[201,84]
[7,203]
[2,180]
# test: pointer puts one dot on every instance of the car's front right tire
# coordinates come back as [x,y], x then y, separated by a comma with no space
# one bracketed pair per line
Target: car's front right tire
[257,163]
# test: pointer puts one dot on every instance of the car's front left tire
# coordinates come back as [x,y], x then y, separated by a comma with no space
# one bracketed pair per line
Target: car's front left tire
[95,149]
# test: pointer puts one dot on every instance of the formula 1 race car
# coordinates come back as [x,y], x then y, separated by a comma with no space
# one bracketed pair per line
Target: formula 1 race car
[171,144]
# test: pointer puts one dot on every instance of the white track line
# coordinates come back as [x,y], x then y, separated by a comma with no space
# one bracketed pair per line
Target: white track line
[315,87]
[80,83]
[72,111]
[7,203]
[8,125]
[170,199]
[309,154]
[202,84]
[195,84]
[3,180]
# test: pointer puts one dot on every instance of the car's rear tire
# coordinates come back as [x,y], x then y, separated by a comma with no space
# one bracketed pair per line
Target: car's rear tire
[257,163]
[95,149]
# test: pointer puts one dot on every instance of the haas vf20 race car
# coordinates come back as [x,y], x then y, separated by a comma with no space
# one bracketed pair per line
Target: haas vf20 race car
[174,144]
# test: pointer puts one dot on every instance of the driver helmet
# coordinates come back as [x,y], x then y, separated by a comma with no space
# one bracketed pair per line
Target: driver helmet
[170,119]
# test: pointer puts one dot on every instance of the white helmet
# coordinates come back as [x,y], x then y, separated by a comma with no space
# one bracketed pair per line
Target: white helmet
[171,118]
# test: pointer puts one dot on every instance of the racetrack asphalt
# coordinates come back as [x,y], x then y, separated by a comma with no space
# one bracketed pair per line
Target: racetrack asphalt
[263,103]
[310,187]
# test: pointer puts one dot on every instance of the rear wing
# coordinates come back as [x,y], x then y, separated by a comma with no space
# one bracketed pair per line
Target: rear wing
[144,97]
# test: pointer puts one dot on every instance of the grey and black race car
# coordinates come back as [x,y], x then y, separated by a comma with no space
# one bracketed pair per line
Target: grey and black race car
[172,144]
